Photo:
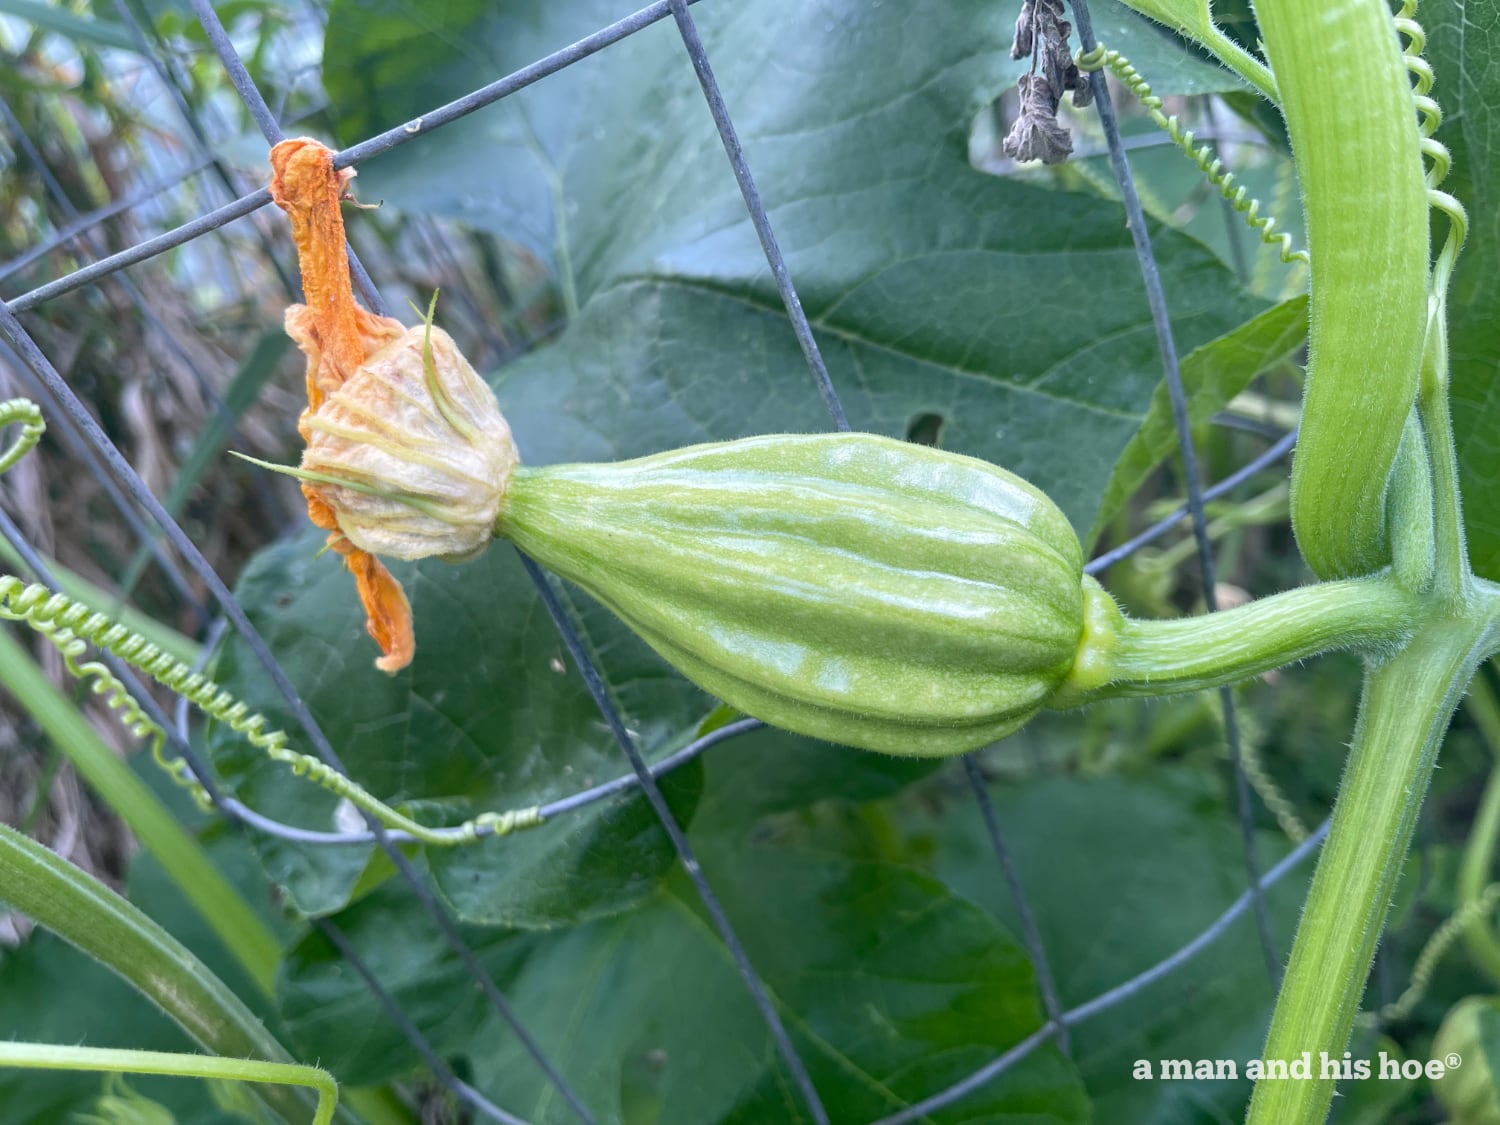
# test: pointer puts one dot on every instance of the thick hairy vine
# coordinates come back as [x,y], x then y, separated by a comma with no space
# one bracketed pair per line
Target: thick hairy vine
[1352,122]
[1361,117]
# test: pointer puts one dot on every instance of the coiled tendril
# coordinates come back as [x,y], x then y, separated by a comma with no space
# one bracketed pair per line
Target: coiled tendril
[72,628]
[1433,149]
[26,414]
[1201,154]
[1426,964]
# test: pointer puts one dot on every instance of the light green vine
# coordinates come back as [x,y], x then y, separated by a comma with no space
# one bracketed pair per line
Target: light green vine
[46,1056]
[26,414]
[1201,154]
[72,628]
[1434,150]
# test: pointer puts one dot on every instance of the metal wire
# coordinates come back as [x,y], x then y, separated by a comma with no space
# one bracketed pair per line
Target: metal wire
[172,82]
[642,776]
[758,217]
[236,810]
[413,1034]
[1106,1000]
[141,251]
[1279,450]
[719,109]
[149,315]
[1029,932]
[504,87]
[269,127]
[375,146]
[248,91]
[602,700]
[135,487]
[1156,297]
[87,222]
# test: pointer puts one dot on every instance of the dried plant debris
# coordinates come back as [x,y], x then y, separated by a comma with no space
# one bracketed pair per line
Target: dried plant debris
[1042,33]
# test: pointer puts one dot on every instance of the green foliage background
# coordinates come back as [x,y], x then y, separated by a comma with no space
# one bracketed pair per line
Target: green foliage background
[999,315]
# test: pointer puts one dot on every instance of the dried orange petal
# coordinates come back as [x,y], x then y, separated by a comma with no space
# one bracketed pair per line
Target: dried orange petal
[337,336]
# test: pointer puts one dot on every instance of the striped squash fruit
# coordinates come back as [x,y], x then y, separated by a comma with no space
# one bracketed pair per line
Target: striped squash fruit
[846,586]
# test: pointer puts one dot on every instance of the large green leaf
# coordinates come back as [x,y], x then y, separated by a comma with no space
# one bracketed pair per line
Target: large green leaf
[1013,312]
[1120,872]
[772,771]
[890,986]
[1463,46]
[491,715]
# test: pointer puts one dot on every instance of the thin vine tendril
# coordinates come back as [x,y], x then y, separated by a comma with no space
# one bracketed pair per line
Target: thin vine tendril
[1270,793]
[26,414]
[1432,953]
[1201,154]
[1441,160]
[72,628]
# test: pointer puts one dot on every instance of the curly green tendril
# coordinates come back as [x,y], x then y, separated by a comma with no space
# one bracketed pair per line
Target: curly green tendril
[73,628]
[1437,946]
[1433,149]
[1201,154]
[26,414]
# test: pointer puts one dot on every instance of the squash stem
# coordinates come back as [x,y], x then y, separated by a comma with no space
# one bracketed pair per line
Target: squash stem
[1404,712]
[1242,62]
[111,1060]
[1119,657]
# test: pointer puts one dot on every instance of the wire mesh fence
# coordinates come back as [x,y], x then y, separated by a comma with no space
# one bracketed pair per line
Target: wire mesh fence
[155,528]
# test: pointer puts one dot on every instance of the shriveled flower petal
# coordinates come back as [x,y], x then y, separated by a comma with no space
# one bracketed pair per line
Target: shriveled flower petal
[419,437]
[387,612]
[388,617]
[337,336]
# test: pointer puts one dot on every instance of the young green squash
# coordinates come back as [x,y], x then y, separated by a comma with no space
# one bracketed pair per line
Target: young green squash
[846,586]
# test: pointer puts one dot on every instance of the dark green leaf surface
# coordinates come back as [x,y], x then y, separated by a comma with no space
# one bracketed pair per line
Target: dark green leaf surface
[772,771]
[1463,45]
[1012,312]
[1121,872]
[491,715]
[331,1014]
[890,986]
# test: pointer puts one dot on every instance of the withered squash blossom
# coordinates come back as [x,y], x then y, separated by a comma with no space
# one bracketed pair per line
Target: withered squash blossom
[407,453]
[419,449]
